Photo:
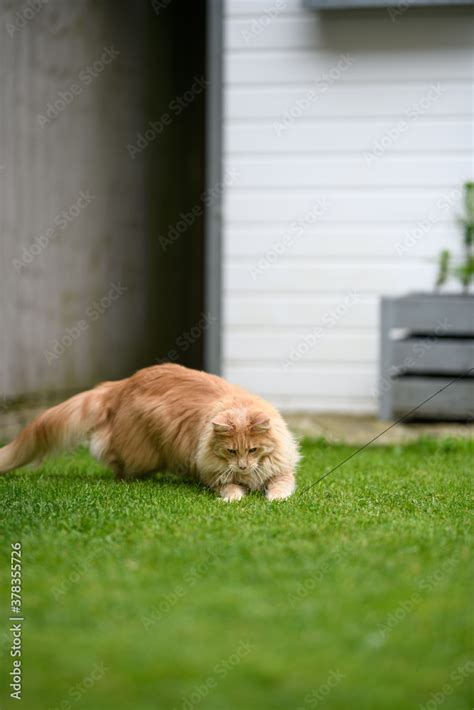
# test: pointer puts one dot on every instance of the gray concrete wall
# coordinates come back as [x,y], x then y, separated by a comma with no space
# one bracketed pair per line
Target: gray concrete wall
[74,259]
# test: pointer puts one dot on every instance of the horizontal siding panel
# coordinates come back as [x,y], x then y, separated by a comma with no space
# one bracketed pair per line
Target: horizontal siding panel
[308,381]
[348,206]
[278,67]
[279,311]
[329,278]
[338,136]
[264,8]
[289,171]
[285,103]
[281,32]
[349,404]
[317,30]
[265,247]
[321,344]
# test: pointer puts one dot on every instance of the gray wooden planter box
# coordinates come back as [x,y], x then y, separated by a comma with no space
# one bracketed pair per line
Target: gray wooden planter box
[427,340]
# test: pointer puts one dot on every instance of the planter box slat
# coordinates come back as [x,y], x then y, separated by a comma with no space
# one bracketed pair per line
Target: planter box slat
[433,355]
[453,403]
[437,315]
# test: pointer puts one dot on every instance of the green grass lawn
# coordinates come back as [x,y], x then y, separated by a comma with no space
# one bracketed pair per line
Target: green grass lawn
[155,594]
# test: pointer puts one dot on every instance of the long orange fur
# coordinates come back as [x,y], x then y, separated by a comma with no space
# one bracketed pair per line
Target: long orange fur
[169,417]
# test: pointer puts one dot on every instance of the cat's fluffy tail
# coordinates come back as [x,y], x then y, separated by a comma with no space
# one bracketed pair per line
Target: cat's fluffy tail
[60,427]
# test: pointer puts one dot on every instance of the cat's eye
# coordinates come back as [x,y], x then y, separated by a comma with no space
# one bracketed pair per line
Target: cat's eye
[253,450]
[232,451]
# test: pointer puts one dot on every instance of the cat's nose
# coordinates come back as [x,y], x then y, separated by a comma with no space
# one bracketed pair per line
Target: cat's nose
[242,465]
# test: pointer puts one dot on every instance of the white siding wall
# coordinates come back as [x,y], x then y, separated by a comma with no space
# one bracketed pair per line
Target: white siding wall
[351,199]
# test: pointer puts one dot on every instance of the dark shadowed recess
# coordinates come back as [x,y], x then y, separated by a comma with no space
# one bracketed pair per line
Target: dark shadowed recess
[176,178]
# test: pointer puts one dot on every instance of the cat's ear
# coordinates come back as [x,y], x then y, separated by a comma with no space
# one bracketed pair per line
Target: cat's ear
[221,425]
[260,422]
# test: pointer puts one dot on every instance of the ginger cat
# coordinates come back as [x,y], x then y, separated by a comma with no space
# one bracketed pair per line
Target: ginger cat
[169,417]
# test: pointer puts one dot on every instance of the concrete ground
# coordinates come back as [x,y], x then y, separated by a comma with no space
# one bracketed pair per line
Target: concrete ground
[347,428]
[359,429]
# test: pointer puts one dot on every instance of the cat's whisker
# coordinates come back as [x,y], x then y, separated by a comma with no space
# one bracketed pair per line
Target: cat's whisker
[259,476]
[220,478]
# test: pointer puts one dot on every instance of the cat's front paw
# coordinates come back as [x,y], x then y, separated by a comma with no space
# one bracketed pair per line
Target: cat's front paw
[280,490]
[231,492]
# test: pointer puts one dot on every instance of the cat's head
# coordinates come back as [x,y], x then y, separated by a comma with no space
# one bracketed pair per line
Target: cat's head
[242,438]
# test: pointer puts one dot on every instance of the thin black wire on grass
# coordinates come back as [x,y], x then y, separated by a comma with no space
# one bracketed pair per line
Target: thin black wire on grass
[341,463]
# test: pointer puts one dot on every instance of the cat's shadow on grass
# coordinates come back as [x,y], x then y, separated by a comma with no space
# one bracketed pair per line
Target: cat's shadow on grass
[106,477]
[158,479]
[50,471]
